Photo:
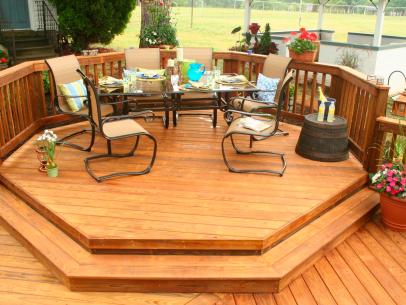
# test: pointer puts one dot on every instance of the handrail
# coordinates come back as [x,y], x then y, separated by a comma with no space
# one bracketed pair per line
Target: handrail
[358,100]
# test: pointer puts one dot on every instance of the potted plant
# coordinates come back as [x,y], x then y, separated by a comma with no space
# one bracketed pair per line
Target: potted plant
[160,31]
[46,144]
[265,45]
[303,47]
[390,182]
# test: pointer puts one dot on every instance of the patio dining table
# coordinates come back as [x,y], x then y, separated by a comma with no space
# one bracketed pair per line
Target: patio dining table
[161,95]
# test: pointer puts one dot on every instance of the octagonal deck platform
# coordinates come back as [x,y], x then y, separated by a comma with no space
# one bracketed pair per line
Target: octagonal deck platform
[189,202]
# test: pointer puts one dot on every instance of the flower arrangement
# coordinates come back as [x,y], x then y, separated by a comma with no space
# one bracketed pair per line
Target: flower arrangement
[390,179]
[259,43]
[47,143]
[302,41]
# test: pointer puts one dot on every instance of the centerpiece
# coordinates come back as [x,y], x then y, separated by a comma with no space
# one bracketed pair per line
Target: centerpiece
[303,47]
[46,152]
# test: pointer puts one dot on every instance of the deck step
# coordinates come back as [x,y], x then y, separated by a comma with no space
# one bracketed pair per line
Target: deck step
[80,270]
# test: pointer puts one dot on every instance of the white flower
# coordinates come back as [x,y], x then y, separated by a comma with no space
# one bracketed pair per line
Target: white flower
[375,177]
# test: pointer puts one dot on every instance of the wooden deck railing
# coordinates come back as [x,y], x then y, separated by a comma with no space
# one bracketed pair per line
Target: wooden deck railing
[23,107]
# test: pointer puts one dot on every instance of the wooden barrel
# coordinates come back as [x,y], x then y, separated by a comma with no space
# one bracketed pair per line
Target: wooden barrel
[323,141]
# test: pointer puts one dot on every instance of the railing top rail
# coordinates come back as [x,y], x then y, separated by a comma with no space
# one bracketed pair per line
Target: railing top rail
[346,73]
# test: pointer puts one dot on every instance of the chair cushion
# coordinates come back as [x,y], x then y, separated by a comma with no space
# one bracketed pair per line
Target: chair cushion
[270,85]
[75,94]
[237,127]
[122,128]
[249,105]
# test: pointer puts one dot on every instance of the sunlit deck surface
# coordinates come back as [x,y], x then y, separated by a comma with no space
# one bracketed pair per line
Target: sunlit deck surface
[189,202]
[367,268]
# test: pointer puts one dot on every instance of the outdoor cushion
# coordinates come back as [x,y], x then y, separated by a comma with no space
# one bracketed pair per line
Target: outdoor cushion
[269,85]
[75,94]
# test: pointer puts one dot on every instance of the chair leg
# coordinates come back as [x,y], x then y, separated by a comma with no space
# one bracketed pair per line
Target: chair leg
[129,154]
[239,151]
[214,118]
[92,131]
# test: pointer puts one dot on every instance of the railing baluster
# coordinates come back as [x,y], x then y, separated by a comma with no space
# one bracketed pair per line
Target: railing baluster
[296,91]
[304,93]
[313,92]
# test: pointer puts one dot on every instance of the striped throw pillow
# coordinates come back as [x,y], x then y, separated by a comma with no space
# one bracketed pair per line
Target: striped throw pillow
[75,93]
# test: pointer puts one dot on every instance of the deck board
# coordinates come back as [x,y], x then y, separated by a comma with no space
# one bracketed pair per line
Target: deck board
[189,200]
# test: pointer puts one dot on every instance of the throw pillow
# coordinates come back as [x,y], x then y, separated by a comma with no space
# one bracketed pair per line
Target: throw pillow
[269,86]
[75,94]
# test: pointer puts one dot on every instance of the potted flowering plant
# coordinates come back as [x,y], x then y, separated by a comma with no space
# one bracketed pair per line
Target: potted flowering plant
[46,144]
[303,47]
[390,182]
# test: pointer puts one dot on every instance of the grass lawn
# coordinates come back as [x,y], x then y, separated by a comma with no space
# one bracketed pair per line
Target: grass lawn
[212,26]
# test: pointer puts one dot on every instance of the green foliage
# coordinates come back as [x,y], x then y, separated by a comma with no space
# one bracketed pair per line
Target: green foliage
[97,21]
[300,46]
[159,29]
[265,44]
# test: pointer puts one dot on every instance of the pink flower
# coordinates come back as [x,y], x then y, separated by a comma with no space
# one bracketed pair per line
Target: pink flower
[389,179]
[388,189]
[390,173]
[403,181]
[379,186]
[392,184]
[389,165]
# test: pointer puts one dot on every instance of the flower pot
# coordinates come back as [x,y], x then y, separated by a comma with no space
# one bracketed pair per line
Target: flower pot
[308,56]
[52,172]
[166,46]
[393,212]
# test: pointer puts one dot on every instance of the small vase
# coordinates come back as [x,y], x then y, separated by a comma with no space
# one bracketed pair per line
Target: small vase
[308,56]
[42,157]
[393,212]
[52,172]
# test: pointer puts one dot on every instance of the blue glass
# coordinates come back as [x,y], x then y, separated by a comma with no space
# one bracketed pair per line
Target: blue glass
[195,71]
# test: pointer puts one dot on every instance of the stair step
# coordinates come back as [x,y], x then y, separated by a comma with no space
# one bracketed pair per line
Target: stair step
[82,271]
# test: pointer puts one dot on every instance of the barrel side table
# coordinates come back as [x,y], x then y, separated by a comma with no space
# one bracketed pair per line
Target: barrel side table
[323,141]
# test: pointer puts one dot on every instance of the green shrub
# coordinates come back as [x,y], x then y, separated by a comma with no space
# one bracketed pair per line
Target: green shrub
[98,21]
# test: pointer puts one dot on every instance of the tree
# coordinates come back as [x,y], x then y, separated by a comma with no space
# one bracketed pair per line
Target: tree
[96,21]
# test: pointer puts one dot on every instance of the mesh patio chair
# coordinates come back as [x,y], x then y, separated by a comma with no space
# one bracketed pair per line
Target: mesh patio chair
[237,128]
[63,71]
[198,100]
[146,58]
[275,66]
[116,128]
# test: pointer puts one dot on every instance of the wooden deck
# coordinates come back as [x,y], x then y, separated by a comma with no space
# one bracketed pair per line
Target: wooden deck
[368,268]
[189,202]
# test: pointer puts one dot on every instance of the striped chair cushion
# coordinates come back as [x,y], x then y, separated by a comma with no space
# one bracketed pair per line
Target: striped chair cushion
[75,94]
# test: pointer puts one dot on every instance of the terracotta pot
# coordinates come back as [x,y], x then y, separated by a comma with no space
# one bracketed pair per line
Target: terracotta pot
[393,212]
[166,46]
[308,56]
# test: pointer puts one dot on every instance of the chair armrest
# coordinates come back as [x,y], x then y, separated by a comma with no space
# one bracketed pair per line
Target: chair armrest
[250,114]
[147,114]
[61,95]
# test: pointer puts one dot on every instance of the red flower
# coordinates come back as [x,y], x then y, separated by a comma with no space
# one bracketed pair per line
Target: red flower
[293,33]
[3,60]
[302,30]
[254,28]
[161,2]
[304,35]
[313,36]
[286,39]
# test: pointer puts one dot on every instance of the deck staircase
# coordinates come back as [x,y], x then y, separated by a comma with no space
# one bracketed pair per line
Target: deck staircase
[28,45]
[81,270]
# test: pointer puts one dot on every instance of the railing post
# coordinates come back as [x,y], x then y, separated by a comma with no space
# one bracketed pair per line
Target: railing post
[373,133]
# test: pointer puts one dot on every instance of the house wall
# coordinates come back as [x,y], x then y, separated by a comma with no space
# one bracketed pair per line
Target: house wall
[362,38]
[380,61]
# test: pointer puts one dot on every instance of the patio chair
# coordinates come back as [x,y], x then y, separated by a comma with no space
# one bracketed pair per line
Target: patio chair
[145,58]
[275,66]
[237,128]
[116,128]
[198,100]
[63,71]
